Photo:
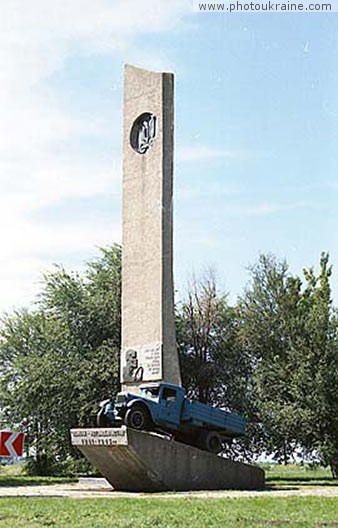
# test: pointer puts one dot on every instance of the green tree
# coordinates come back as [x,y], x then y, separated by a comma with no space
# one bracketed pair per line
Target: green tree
[289,329]
[319,373]
[61,359]
[268,330]
[214,368]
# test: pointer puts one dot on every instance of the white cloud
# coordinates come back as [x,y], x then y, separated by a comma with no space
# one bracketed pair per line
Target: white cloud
[40,34]
[36,38]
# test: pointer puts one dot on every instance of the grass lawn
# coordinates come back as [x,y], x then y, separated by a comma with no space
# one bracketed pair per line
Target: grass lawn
[14,476]
[169,513]
[180,512]
[295,475]
[15,481]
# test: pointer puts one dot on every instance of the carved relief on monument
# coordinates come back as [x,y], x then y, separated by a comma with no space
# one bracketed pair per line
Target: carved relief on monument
[141,364]
[143,133]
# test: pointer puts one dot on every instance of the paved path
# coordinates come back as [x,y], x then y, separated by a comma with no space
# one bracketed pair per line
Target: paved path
[99,489]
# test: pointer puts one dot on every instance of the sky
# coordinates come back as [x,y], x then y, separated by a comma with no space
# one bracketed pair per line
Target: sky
[256,135]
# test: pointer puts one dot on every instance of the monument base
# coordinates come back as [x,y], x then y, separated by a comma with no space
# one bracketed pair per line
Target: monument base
[131,460]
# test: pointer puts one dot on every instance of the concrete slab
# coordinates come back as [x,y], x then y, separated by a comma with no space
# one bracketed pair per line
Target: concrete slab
[94,482]
[131,460]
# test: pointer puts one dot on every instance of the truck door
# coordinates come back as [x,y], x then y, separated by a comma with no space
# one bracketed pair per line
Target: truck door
[170,406]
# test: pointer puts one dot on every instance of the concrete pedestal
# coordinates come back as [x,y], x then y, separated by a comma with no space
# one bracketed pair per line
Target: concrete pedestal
[139,461]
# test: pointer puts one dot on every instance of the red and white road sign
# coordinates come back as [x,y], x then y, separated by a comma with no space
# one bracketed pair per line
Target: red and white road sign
[11,444]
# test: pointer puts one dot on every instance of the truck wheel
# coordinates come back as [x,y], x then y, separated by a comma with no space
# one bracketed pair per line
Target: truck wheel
[137,418]
[212,442]
[101,419]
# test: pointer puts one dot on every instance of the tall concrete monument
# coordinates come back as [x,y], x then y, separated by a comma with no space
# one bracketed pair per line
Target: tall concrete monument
[133,460]
[148,328]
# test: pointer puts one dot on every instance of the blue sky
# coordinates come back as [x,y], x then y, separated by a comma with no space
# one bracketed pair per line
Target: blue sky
[256,134]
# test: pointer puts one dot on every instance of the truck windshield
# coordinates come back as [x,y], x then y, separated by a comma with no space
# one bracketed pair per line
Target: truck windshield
[150,392]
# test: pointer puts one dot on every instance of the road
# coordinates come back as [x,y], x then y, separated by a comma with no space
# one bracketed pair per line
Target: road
[88,488]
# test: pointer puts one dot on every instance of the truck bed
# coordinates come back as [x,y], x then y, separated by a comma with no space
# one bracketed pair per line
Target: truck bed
[198,414]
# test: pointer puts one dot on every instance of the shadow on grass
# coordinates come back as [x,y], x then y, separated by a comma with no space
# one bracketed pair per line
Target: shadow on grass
[11,481]
[303,481]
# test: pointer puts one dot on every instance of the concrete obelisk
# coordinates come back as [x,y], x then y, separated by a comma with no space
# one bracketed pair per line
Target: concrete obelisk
[149,351]
[139,460]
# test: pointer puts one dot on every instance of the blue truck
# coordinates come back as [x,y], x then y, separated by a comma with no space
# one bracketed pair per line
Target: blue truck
[164,407]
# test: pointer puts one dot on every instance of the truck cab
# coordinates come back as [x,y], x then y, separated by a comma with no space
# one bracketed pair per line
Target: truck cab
[168,401]
[157,404]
